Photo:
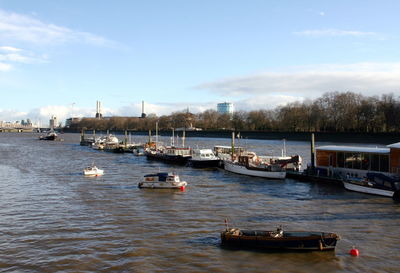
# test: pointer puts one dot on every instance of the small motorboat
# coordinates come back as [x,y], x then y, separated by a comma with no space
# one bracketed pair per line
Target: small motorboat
[375,183]
[93,171]
[50,135]
[279,240]
[204,158]
[162,181]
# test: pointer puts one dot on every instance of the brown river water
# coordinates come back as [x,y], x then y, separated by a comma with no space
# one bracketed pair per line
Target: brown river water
[53,219]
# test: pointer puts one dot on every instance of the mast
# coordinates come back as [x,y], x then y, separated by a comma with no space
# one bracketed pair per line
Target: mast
[156,134]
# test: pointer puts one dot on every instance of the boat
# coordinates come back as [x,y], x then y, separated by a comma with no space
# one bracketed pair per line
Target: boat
[138,150]
[162,180]
[51,135]
[171,154]
[204,158]
[279,240]
[108,143]
[250,165]
[93,171]
[375,183]
[225,152]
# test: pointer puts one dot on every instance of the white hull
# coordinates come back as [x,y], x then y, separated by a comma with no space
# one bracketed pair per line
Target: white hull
[239,169]
[93,171]
[162,185]
[89,173]
[358,188]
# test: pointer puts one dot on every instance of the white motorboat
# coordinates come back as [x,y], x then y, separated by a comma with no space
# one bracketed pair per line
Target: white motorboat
[162,181]
[204,158]
[93,171]
[250,165]
[374,183]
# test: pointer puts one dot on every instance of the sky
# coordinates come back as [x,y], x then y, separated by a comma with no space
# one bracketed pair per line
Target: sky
[57,58]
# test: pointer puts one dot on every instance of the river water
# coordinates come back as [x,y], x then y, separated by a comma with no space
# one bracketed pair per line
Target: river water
[53,219]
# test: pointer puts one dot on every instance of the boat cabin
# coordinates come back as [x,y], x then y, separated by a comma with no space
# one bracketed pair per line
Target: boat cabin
[161,177]
[225,152]
[174,151]
[358,161]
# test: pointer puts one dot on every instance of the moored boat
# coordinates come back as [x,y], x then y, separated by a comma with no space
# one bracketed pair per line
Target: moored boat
[162,180]
[93,171]
[204,158]
[172,155]
[374,183]
[250,165]
[279,240]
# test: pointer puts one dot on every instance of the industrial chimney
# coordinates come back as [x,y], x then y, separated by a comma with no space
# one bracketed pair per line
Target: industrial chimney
[143,114]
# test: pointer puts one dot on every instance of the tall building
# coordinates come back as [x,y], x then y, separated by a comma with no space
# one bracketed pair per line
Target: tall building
[53,122]
[225,108]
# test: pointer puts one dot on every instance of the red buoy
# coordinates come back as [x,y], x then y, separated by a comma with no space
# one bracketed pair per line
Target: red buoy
[354,252]
[182,188]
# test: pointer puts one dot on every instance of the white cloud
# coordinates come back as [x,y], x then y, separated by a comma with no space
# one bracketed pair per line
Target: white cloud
[321,13]
[9,48]
[24,28]
[308,82]
[5,67]
[334,33]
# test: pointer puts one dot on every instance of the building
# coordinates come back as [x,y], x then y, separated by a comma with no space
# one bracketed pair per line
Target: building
[225,108]
[358,161]
[70,121]
[53,122]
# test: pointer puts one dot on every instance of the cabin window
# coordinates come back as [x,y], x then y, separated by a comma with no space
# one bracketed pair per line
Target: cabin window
[387,184]
[365,160]
[340,159]
[348,160]
[357,161]
[384,163]
[375,162]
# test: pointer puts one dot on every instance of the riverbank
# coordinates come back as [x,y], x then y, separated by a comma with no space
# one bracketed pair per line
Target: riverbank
[351,137]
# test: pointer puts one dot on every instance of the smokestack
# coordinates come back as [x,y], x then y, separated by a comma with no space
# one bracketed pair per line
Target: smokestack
[143,114]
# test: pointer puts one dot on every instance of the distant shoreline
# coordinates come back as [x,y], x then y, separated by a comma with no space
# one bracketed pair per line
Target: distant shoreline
[348,137]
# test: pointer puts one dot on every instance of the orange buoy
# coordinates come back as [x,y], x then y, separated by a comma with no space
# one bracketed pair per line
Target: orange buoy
[354,252]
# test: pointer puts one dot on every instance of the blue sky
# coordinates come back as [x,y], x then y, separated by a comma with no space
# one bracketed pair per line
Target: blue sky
[60,57]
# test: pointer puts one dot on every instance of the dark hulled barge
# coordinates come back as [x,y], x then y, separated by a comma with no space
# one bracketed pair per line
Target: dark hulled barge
[279,240]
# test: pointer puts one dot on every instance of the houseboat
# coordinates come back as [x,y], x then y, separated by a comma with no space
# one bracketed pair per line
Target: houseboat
[171,154]
[363,169]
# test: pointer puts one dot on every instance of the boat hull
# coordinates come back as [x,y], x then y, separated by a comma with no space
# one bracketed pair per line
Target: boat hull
[364,189]
[162,185]
[205,163]
[90,173]
[304,241]
[178,160]
[240,169]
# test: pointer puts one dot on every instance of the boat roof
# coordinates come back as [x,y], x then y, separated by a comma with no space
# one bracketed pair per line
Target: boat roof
[374,150]
[228,147]
[158,174]
[394,145]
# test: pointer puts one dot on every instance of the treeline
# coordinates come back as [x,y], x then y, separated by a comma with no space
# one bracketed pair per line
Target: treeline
[332,112]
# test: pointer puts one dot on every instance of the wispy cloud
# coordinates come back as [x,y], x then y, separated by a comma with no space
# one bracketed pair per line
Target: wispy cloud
[25,28]
[335,33]
[299,83]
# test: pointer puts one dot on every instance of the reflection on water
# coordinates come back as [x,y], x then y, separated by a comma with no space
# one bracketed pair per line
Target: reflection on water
[55,219]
